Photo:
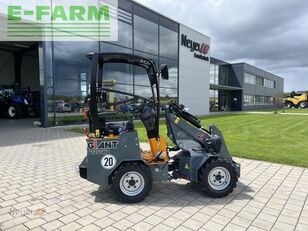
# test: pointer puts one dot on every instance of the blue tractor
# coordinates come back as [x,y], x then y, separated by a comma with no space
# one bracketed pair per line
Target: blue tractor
[14,105]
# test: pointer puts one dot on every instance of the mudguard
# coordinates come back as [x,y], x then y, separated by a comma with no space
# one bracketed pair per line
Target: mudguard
[191,140]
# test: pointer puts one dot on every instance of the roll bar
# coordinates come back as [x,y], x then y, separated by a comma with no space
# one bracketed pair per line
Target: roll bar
[98,61]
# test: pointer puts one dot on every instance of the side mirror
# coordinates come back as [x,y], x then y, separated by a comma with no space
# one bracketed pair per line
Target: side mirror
[164,71]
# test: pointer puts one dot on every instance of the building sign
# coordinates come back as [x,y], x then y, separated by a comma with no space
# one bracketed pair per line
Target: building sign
[63,20]
[200,50]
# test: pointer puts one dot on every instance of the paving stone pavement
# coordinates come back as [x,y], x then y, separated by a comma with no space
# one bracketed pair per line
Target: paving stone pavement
[40,189]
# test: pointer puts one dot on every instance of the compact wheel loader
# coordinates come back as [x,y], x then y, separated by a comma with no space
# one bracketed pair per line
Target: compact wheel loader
[114,157]
[296,100]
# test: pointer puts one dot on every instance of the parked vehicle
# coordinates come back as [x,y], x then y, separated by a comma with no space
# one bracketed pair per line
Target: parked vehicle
[296,100]
[14,105]
[63,107]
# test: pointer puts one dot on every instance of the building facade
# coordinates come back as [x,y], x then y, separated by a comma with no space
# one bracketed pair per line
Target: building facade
[142,32]
[62,70]
[242,87]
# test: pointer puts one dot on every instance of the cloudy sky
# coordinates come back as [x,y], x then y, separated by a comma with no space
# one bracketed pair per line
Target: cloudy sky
[270,34]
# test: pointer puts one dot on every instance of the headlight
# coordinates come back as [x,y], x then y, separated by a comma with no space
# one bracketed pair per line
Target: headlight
[216,143]
[213,144]
[25,101]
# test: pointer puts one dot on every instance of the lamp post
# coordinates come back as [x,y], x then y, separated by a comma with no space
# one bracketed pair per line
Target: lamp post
[275,105]
[283,109]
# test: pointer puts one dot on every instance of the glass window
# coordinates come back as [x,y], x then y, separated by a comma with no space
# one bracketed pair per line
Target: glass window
[213,100]
[124,88]
[172,82]
[70,59]
[259,81]
[168,42]
[250,79]
[168,96]
[249,100]
[125,34]
[69,102]
[268,100]
[118,72]
[83,84]
[117,101]
[216,76]
[140,74]
[143,91]
[259,100]
[108,47]
[269,83]
[214,73]
[117,97]
[146,35]
[67,88]
[118,76]
[167,23]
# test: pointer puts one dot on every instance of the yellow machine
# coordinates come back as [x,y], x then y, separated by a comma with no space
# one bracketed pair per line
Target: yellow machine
[297,100]
[111,95]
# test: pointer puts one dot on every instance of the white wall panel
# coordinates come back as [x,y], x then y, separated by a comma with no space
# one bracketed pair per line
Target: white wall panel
[194,74]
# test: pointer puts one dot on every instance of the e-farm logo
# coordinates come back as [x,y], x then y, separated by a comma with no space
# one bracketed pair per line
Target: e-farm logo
[62,20]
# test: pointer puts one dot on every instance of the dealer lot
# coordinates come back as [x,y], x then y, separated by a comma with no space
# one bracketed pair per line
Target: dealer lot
[40,189]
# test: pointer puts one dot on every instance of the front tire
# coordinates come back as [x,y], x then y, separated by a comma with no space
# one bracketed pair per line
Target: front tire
[218,178]
[132,182]
[14,111]
[303,104]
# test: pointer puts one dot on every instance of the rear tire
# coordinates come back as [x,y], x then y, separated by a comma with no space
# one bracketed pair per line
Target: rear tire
[218,178]
[132,182]
[303,104]
[14,111]
[289,105]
